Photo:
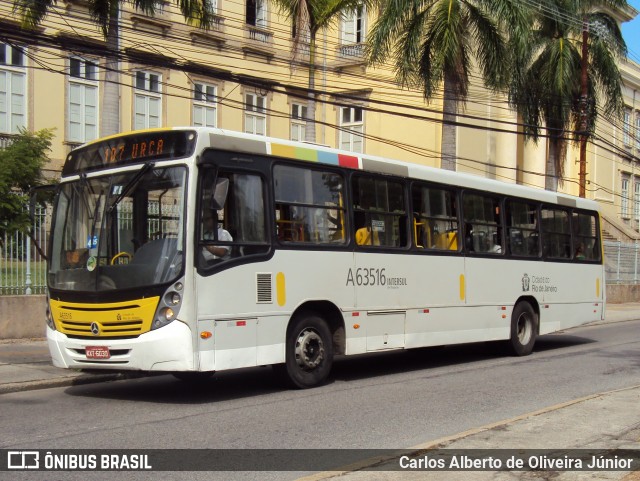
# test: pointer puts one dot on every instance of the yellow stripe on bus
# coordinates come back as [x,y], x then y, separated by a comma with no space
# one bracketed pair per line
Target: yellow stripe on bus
[281,289]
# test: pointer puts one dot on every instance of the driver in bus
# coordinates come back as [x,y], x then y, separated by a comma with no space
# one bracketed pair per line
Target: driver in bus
[210,224]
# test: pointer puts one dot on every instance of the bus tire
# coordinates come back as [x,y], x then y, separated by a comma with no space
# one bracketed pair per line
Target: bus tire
[524,329]
[309,351]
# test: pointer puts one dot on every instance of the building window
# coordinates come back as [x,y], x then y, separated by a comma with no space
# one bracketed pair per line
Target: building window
[256,13]
[353,32]
[626,128]
[13,83]
[638,130]
[351,129]
[147,100]
[255,114]
[204,105]
[82,118]
[298,121]
[624,202]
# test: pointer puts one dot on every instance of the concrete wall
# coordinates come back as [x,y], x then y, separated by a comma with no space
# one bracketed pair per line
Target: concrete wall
[620,293]
[23,316]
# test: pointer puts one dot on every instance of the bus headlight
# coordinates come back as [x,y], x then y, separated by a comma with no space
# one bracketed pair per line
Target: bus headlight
[169,306]
[168,314]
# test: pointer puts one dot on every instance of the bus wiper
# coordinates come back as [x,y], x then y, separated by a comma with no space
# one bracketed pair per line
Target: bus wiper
[130,185]
[84,187]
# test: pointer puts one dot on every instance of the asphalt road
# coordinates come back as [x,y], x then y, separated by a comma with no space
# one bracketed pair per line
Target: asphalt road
[388,400]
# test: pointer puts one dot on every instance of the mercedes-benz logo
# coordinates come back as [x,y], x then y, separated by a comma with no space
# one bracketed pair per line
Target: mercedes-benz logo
[95,329]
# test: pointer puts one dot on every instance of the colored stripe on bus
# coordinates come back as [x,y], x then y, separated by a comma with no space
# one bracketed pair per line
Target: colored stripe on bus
[313,155]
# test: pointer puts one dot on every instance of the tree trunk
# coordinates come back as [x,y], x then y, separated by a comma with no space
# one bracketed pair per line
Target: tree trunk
[310,128]
[110,118]
[448,148]
[551,178]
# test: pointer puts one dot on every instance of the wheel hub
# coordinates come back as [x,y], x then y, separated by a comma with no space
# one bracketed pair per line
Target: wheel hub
[524,329]
[309,350]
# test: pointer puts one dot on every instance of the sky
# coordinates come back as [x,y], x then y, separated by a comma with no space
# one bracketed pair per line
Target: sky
[631,33]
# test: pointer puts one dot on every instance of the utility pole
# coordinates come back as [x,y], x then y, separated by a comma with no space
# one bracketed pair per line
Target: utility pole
[584,110]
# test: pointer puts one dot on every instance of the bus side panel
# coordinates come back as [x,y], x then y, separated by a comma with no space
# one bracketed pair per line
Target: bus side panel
[436,300]
[568,294]
[248,308]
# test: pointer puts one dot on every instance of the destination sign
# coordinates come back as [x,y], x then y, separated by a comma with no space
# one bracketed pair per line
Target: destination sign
[134,148]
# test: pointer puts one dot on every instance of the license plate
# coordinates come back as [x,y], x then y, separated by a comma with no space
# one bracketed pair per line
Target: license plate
[97,352]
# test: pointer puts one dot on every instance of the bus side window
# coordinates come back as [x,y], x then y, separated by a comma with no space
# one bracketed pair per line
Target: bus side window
[379,212]
[483,223]
[585,237]
[309,205]
[239,226]
[522,228]
[435,221]
[556,233]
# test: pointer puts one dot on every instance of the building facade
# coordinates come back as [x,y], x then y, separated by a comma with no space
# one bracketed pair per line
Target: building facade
[241,75]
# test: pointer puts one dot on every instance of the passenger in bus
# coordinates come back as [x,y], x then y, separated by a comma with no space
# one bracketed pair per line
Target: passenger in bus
[365,237]
[580,252]
[209,225]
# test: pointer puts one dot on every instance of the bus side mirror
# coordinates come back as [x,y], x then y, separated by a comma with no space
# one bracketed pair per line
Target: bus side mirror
[219,197]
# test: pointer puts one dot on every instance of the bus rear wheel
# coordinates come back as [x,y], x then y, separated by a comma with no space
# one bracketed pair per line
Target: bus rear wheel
[524,329]
[309,352]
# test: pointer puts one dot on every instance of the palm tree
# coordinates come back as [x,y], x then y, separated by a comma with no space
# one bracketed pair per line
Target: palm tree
[308,18]
[105,14]
[548,88]
[433,42]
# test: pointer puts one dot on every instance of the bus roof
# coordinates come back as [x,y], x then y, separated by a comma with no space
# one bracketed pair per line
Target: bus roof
[306,152]
[257,144]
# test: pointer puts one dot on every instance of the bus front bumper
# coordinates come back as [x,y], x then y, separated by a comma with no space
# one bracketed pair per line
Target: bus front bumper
[166,349]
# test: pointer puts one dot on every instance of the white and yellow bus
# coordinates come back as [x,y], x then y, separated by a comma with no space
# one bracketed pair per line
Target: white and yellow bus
[316,253]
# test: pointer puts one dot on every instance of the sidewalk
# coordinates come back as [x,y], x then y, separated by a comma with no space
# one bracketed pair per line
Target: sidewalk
[608,420]
[604,421]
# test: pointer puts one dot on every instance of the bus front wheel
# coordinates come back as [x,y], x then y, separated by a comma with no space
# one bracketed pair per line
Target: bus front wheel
[309,352]
[524,329]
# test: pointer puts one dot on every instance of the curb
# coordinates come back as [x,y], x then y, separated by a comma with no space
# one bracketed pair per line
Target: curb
[79,380]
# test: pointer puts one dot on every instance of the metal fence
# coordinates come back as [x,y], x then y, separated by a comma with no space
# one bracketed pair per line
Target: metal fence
[22,267]
[622,262]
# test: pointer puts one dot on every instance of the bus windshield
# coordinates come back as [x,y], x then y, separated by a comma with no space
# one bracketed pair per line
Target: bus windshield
[119,231]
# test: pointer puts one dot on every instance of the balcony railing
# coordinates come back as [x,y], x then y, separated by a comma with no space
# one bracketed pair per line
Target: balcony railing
[352,51]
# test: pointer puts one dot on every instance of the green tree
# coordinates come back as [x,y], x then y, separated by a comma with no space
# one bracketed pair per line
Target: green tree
[548,89]
[105,14]
[308,17]
[21,166]
[435,45]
